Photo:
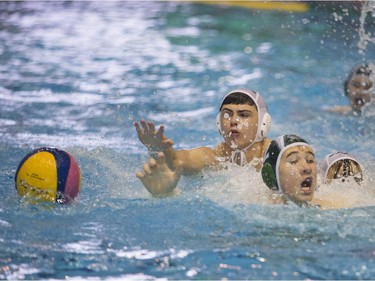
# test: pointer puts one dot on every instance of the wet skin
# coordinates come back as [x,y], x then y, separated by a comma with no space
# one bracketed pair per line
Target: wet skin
[298,173]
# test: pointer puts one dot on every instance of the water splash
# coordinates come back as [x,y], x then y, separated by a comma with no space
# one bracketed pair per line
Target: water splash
[365,35]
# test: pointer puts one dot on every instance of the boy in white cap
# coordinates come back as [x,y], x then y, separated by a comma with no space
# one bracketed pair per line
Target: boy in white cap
[243,121]
[342,166]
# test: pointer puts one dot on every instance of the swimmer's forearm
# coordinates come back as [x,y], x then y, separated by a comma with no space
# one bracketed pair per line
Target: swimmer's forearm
[170,157]
[193,161]
[181,159]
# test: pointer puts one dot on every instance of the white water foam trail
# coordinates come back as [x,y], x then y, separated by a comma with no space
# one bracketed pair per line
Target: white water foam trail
[365,36]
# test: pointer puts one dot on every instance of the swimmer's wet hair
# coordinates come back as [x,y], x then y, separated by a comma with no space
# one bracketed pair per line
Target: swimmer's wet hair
[362,68]
[238,98]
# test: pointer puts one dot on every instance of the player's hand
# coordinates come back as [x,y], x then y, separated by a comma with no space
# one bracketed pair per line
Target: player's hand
[157,177]
[153,139]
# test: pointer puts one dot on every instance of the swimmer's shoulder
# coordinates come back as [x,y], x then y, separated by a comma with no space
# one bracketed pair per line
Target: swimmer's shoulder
[266,144]
[209,155]
[323,204]
[221,150]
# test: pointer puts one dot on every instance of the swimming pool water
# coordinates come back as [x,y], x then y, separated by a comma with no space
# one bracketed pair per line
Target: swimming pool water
[76,75]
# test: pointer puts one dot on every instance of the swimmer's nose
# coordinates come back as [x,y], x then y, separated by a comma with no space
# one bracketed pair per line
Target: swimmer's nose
[234,120]
[306,170]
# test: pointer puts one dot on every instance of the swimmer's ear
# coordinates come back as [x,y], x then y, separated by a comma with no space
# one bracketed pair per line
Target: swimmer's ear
[218,124]
[269,177]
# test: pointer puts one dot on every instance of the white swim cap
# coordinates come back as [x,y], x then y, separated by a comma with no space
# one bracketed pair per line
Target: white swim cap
[264,119]
[331,159]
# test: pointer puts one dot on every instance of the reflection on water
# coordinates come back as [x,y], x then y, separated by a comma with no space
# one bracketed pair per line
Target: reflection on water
[169,64]
[76,75]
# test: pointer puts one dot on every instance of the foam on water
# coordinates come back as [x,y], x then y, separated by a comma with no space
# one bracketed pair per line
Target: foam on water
[235,185]
[347,194]
[365,34]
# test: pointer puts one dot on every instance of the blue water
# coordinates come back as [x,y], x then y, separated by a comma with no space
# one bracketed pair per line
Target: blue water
[76,75]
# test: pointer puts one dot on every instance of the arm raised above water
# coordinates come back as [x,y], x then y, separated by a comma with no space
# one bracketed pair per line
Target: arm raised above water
[194,160]
[188,161]
[153,139]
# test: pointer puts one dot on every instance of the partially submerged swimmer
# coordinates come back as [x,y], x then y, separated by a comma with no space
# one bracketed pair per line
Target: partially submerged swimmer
[290,168]
[342,183]
[243,121]
[342,166]
[359,88]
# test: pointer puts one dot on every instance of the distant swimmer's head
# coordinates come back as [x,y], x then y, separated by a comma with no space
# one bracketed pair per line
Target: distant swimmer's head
[243,118]
[289,166]
[342,166]
[359,86]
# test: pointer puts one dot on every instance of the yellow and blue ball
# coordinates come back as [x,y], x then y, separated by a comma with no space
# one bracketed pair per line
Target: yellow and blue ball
[49,174]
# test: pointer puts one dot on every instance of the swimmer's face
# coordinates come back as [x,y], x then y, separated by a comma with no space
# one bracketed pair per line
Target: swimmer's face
[345,170]
[239,124]
[359,91]
[298,173]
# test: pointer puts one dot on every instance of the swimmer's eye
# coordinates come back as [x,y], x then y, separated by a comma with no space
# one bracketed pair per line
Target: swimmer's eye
[356,84]
[367,85]
[244,114]
[226,115]
[362,84]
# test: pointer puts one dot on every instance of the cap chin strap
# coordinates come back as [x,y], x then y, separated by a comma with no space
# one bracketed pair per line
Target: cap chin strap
[239,154]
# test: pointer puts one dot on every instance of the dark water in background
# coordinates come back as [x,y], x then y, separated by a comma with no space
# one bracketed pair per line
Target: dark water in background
[76,75]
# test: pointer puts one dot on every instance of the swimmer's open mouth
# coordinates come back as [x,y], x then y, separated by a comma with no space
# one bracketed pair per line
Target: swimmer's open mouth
[359,102]
[306,185]
[233,133]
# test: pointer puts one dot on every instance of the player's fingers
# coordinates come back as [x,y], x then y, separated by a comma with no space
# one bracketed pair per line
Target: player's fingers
[140,175]
[144,125]
[161,158]
[167,143]
[152,164]
[137,127]
[160,132]
[146,168]
[151,126]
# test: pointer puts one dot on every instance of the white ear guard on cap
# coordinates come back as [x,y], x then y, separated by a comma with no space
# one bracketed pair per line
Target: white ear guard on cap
[264,119]
[218,123]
